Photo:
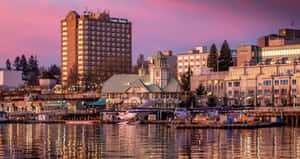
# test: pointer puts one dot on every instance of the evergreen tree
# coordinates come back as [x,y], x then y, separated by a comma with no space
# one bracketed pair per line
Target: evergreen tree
[200,90]
[225,59]
[32,71]
[212,60]
[186,80]
[54,70]
[8,64]
[23,64]
[17,63]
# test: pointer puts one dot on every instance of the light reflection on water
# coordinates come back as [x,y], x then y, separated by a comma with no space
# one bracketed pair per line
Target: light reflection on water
[144,141]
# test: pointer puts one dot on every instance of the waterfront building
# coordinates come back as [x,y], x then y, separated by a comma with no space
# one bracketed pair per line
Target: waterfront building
[10,79]
[159,86]
[268,83]
[94,45]
[196,59]
[171,61]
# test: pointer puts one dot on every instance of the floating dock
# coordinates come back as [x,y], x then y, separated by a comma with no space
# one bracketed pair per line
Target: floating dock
[225,126]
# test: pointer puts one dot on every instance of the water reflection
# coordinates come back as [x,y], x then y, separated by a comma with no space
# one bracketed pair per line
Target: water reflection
[144,141]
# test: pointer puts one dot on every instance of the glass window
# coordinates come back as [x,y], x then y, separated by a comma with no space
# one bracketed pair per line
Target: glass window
[236,84]
[236,93]
[294,91]
[250,92]
[284,82]
[259,92]
[276,82]
[267,92]
[230,93]
[283,91]
[267,83]
[294,82]
[276,91]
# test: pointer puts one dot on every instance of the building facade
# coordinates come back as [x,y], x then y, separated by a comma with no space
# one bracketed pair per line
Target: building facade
[195,59]
[277,52]
[247,54]
[94,45]
[274,84]
[10,79]
[159,86]
[171,61]
[284,37]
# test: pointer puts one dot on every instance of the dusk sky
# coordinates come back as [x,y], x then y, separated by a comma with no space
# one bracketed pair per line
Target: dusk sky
[33,26]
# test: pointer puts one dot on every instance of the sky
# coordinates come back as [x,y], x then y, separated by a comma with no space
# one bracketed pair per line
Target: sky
[32,27]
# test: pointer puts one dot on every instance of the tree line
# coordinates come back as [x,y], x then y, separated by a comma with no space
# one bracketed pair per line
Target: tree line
[30,68]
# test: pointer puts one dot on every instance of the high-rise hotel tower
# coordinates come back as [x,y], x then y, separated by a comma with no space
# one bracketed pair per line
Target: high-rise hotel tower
[94,45]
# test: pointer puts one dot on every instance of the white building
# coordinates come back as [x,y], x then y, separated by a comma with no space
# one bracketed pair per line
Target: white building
[10,79]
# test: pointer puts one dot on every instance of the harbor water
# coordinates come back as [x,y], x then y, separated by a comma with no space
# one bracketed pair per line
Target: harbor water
[145,141]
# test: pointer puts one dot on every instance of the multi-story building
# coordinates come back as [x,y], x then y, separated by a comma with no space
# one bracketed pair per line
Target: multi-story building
[264,84]
[95,45]
[284,37]
[10,78]
[277,52]
[157,87]
[195,59]
[247,54]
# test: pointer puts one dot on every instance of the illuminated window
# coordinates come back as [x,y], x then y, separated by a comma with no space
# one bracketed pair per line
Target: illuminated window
[64,23]
[64,68]
[80,32]
[80,62]
[64,43]
[80,57]
[80,22]
[65,58]
[80,52]
[80,42]
[65,63]
[64,28]
[80,47]
[64,78]
[65,38]
[80,37]
[65,48]
[64,53]
[65,73]
[65,33]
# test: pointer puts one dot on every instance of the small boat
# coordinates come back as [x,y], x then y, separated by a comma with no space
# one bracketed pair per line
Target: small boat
[123,123]
[79,122]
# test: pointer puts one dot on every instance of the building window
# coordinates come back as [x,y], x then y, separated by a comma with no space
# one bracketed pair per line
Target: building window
[276,92]
[236,84]
[236,93]
[267,101]
[259,92]
[250,92]
[294,91]
[267,92]
[294,82]
[229,93]
[284,82]
[283,91]
[276,82]
[267,83]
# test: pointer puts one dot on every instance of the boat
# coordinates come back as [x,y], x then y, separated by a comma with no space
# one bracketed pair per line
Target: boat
[79,122]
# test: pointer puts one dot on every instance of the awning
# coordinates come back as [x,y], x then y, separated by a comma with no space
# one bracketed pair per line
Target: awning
[49,104]
[100,102]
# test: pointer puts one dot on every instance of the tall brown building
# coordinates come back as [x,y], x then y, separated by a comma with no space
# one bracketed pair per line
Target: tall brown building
[94,46]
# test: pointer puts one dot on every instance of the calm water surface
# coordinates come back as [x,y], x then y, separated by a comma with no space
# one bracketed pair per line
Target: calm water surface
[144,141]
